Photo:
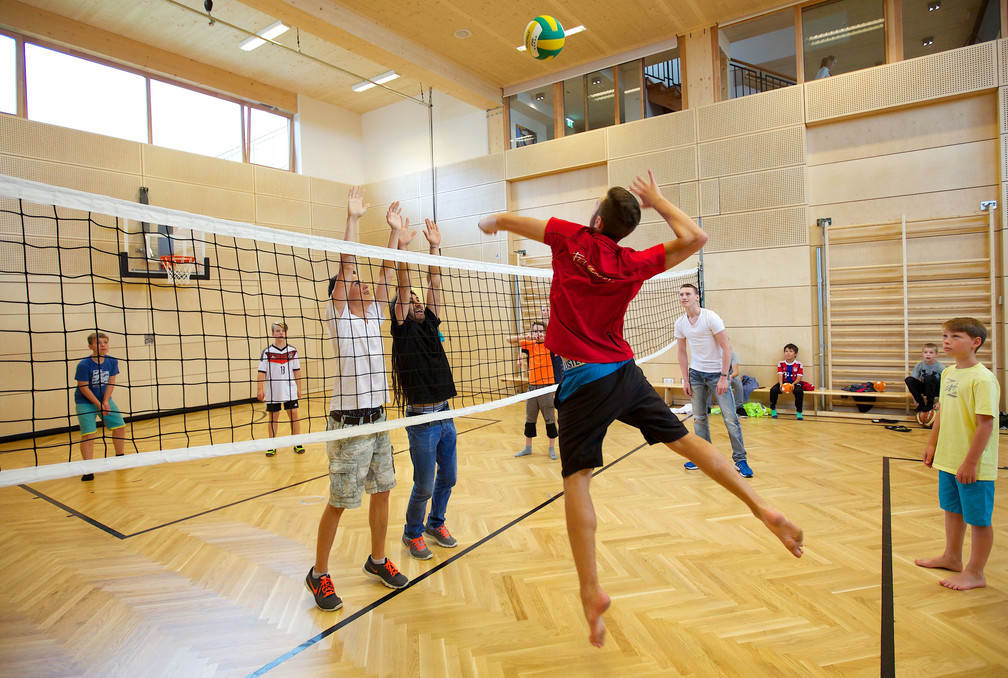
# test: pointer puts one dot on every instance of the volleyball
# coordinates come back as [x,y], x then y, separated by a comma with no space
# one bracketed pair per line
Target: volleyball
[926,419]
[544,37]
[879,386]
[787,388]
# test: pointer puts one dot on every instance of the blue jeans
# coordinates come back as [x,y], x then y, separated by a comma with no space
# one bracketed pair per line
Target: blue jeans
[432,449]
[704,386]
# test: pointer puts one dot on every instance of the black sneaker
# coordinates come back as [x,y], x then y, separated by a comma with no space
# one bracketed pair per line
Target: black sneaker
[322,589]
[386,573]
[740,411]
[87,476]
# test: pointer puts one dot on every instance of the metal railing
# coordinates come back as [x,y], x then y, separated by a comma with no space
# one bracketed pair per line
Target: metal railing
[744,79]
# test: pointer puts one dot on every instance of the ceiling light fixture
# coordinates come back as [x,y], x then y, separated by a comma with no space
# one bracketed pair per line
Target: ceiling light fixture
[268,33]
[540,96]
[934,6]
[463,33]
[364,85]
[928,41]
[845,32]
[567,33]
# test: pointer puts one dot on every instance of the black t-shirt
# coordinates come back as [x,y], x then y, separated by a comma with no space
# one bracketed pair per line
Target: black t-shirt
[419,360]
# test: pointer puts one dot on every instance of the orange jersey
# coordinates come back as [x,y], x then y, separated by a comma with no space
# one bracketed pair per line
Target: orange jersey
[540,363]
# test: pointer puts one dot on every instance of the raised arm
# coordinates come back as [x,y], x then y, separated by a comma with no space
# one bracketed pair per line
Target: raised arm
[400,237]
[433,235]
[527,227]
[348,262]
[689,237]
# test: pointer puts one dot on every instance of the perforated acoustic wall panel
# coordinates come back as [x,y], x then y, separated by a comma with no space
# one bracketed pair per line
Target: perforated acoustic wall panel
[663,131]
[754,113]
[580,150]
[710,197]
[674,165]
[1002,46]
[762,190]
[29,139]
[482,170]
[752,153]
[958,71]
[1003,109]
[689,198]
[756,230]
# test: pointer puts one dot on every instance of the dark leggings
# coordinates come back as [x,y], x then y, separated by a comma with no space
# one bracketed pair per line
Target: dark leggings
[799,395]
[924,391]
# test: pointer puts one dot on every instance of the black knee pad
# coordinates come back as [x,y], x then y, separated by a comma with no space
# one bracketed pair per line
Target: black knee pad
[530,429]
[551,430]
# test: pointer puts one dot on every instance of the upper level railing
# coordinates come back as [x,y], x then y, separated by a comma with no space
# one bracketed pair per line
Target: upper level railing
[665,72]
[746,79]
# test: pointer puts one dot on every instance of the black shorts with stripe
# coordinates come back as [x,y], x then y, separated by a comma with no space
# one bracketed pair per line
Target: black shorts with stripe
[626,396]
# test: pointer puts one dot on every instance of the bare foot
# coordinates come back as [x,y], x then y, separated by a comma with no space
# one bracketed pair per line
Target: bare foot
[964,581]
[594,608]
[942,562]
[790,534]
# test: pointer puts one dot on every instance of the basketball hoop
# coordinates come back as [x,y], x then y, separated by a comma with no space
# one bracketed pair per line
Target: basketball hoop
[179,268]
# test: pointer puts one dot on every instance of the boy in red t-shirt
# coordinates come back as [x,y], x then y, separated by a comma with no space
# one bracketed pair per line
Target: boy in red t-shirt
[593,283]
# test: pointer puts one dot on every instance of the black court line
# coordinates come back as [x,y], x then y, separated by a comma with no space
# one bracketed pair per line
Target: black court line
[887,631]
[119,535]
[426,575]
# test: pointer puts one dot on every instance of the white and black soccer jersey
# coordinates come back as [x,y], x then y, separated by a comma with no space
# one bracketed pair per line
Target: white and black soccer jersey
[279,364]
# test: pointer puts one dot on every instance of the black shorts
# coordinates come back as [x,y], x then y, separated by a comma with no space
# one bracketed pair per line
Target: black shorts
[275,407]
[626,396]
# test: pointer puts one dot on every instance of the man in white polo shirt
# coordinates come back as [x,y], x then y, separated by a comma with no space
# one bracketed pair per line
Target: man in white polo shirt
[708,368]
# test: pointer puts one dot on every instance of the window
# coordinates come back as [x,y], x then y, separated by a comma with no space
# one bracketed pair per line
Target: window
[73,92]
[843,36]
[630,106]
[758,55]
[531,116]
[574,105]
[192,121]
[269,140]
[600,100]
[663,83]
[8,75]
[931,26]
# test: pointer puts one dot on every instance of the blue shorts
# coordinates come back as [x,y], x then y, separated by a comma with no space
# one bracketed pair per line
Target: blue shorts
[86,416]
[974,502]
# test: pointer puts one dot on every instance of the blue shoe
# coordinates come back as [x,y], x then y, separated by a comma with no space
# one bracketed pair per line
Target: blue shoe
[690,466]
[743,468]
[773,414]
[799,417]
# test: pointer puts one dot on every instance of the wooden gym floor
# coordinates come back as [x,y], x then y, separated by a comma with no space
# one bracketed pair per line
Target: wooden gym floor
[197,568]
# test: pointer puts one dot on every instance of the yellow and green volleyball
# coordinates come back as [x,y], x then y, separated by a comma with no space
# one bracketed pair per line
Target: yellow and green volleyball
[544,37]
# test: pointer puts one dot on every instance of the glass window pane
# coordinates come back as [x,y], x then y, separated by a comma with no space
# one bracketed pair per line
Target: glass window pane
[760,55]
[8,75]
[601,99]
[630,108]
[192,121]
[531,116]
[72,92]
[843,36]
[574,105]
[931,26]
[663,83]
[270,139]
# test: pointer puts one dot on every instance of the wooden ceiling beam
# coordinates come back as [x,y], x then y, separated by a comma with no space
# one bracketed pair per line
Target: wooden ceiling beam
[354,33]
[43,25]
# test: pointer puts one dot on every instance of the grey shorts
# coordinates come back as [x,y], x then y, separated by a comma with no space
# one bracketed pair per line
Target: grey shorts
[358,464]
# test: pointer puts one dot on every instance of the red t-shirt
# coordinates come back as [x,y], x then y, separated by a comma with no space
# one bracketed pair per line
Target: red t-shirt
[594,280]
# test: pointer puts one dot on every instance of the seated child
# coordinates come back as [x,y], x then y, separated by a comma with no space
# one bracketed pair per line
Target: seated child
[789,371]
[925,379]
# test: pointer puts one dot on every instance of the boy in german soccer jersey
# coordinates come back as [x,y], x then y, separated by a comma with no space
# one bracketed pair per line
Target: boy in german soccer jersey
[280,383]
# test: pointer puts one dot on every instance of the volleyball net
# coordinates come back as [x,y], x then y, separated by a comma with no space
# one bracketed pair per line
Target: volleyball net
[188,303]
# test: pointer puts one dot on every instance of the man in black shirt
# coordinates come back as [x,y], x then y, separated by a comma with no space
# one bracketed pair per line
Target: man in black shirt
[422,381]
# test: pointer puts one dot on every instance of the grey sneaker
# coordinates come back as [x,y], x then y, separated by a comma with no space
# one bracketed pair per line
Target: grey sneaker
[417,548]
[322,589]
[386,573]
[553,454]
[442,537]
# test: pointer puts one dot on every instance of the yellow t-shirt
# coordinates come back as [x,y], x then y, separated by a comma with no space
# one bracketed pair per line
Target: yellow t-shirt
[964,394]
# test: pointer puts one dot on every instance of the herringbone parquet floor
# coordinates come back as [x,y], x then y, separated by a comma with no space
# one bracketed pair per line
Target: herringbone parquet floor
[197,568]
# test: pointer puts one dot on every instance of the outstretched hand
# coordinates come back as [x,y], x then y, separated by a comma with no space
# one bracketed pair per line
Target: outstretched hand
[488,224]
[647,191]
[355,202]
[433,233]
[399,226]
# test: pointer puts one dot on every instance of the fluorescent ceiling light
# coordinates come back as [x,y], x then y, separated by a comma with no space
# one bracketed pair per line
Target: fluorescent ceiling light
[363,85]
[270,32]
[845,32]
[567,32]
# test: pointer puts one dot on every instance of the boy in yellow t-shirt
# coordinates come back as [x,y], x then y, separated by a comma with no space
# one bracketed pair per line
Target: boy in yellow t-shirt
[965,453]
